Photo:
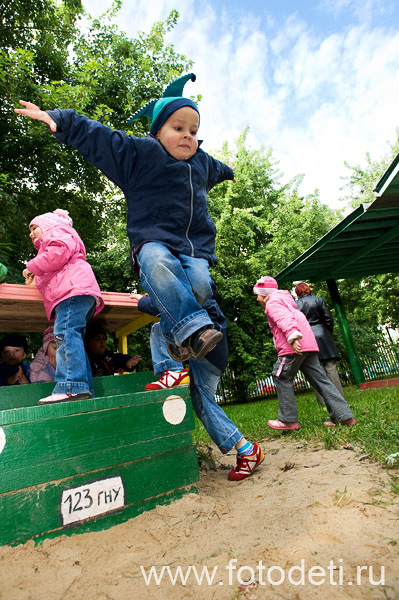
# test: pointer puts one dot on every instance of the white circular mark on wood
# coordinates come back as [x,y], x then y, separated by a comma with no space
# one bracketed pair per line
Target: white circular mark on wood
[2,440]
[174,409]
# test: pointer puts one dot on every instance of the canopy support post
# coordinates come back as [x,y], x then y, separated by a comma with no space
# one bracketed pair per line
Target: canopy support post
[346,334]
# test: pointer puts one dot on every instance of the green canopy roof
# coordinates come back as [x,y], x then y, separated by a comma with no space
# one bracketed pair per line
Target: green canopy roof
[365,243]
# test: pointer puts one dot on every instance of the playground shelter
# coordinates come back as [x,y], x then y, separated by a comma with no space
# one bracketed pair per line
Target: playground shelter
[364,243]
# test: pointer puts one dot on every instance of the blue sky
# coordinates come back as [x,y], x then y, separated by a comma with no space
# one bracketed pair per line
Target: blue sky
[315,81]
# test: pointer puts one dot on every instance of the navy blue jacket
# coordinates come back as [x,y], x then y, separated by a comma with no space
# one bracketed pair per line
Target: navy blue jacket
[166,198]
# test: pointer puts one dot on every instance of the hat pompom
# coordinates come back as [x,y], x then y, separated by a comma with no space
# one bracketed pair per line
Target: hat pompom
[63,216]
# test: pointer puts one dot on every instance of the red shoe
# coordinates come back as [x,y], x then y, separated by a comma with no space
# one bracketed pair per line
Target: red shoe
[348,422]
[170,379]
[276,424]
[246,464]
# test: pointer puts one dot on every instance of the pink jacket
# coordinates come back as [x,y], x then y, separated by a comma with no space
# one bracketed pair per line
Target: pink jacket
[40,368]
[61,269]
[287,322]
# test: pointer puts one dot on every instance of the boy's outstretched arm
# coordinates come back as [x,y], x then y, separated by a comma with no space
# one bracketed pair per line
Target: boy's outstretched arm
[34,112]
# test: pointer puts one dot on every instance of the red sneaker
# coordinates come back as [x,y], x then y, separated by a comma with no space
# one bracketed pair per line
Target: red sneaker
[170,379]
[246,464]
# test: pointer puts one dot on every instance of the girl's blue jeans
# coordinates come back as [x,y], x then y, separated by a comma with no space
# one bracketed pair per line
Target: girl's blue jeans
[73,370]
[178,286]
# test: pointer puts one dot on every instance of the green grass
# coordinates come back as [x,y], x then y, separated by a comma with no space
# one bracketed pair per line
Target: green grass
[376,431]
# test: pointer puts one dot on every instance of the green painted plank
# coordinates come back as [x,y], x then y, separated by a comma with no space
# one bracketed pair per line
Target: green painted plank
[15,396]
[37,510]
[19,478]
[33,413]
[38,443]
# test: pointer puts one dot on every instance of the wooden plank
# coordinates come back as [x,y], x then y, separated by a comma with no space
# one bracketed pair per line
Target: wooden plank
[33,446]
[37,510]
[21,309]
[86,463]
[19,396]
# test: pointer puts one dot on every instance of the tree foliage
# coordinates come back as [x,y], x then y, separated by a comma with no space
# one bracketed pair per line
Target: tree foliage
[102,73]
[262,225]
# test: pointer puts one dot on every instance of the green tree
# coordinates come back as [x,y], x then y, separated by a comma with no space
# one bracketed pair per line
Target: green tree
[101,73]
[262,225]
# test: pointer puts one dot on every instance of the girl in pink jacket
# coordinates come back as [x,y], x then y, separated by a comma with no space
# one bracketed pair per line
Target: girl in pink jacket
[297,350]
[71,297]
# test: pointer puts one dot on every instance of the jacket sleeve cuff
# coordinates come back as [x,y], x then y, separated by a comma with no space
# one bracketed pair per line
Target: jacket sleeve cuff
[295,335]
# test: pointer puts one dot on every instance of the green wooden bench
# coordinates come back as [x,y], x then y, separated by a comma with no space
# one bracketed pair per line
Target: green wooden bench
[84,466]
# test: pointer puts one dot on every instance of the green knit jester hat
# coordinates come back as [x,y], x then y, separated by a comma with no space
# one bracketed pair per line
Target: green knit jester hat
[160,110]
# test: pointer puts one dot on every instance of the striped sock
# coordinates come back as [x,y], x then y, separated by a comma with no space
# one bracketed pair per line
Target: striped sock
[247,448]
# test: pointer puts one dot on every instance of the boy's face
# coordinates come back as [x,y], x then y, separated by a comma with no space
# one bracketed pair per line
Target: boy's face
[178,135]
[12,355]
[35,232]
[98,344]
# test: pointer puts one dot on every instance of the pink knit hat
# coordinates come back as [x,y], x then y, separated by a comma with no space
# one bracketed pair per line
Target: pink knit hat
[265,286]
[58,217]
[48,336]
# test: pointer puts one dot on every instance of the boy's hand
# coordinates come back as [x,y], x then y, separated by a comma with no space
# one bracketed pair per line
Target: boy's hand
[19,376]
[135,298]
[34,112]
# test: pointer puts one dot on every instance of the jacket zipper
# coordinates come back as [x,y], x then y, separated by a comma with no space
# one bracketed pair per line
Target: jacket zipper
[191,209]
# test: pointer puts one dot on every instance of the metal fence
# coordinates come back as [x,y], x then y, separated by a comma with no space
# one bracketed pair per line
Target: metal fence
[384,366]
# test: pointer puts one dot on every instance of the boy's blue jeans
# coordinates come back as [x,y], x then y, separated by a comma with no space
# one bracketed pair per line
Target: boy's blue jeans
[160,357]
[73,370]
[178,286]
[204,378]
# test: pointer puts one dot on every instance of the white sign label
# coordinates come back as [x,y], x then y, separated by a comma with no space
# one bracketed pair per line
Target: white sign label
[91,500]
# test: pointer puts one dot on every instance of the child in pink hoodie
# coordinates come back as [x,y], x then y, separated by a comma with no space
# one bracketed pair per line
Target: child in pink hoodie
[297,350]
[71,296]
[42,367]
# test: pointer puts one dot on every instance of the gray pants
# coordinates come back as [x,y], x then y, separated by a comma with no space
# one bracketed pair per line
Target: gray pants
[284,371]
[330,367]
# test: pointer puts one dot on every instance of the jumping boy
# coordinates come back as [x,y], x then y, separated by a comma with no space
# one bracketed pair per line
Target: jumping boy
[165,178]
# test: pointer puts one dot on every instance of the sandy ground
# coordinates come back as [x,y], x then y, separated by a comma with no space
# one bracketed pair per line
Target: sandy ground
[303,526]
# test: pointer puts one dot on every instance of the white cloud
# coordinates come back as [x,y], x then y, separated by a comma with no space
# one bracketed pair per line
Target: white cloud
[317,99]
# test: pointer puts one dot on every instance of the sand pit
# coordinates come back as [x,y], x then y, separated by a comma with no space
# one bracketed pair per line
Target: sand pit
[310,523]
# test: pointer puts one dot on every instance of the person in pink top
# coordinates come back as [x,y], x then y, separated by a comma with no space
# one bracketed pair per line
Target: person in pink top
[42,367]
[71,296]
[297,350]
